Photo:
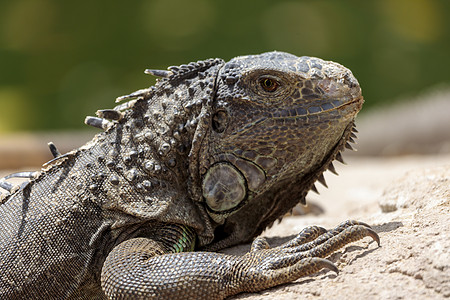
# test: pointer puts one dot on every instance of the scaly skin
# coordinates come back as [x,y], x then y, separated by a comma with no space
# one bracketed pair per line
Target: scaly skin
[206,159]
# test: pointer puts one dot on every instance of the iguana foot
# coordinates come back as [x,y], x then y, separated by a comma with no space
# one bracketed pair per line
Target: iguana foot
[266,267]
[141,267]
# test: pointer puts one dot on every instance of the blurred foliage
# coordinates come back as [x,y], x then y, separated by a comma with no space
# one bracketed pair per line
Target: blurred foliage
[62,60]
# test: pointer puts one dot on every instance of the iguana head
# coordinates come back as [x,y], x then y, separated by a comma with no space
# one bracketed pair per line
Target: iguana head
[277,122]
[228,148]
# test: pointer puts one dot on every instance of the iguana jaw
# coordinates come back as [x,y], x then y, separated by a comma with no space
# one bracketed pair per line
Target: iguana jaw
[273,205]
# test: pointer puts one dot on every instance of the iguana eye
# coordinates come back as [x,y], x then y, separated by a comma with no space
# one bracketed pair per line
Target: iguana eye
[268,84]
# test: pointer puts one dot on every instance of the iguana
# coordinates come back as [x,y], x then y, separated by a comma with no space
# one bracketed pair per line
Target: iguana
[207,158]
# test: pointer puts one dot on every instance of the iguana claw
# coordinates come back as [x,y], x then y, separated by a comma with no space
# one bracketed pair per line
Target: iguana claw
[305,254]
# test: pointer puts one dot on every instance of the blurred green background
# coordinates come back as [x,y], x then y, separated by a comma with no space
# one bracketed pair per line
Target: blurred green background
[62,60]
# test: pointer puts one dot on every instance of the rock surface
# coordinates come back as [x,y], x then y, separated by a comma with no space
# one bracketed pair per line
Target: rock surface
[407,200]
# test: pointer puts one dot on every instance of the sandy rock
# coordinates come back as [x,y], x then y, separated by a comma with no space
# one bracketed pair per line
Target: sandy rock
[411,213]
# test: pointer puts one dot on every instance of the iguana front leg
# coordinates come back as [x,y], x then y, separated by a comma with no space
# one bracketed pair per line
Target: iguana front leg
[142,268]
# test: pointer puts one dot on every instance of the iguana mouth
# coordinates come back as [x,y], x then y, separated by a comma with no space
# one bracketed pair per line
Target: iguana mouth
[359,100]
